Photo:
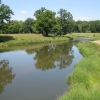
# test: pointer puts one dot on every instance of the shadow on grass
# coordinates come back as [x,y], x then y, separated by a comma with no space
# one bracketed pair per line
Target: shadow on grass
[6,38]
[48,35]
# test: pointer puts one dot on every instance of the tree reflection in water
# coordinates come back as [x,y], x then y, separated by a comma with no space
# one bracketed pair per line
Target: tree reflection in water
[53,56]
[6,75]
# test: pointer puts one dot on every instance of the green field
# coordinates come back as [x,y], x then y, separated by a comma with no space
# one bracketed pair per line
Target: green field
[89,35]
[25,39]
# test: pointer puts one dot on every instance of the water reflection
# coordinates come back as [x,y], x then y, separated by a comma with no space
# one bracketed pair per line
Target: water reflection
[6,75]
[53,56]
[34,78]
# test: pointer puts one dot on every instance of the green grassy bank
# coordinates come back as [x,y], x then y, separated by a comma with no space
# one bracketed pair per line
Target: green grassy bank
[25,39]
[85,80]
[89,35]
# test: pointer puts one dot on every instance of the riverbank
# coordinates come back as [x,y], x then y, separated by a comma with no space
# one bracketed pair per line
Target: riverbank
[88,35]
[8,40]
[85,80]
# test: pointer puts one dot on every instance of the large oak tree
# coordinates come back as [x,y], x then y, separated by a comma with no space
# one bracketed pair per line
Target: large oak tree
[45,22]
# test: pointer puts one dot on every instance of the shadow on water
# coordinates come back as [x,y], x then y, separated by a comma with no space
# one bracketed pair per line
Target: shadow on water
[6,75]
[52,56]
[6,38]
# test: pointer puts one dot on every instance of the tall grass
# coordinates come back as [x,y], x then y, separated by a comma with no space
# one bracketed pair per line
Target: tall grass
[85,79]
[89,48]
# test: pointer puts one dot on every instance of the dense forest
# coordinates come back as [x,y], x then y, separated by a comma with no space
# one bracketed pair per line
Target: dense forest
[45,22]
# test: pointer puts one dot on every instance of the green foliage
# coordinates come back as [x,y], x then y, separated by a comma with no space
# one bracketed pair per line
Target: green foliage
[3,28]
[27,25]
[5,13]
[95,26]
[66,21]
[40,11]
[45,22]
[14,27]
[87,26]
[56,27]
[82,26]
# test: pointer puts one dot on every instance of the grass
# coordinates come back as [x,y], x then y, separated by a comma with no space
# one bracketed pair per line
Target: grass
[89,35]
[25,39]
[8,40]
[85,80]
[29,47]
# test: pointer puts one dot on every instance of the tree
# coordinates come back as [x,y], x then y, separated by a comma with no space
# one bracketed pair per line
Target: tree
[56,27]
[14,27]
[82,26]
[40,11]
[66,21]
[5,13]
[79,26]
[27,26]
[45,22]
[85,26]
[3,28]
[95,26]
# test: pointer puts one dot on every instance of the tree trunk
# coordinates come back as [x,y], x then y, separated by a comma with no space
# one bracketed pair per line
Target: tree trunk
[46,33]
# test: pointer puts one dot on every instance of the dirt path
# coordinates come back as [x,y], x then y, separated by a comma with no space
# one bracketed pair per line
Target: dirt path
[97,41]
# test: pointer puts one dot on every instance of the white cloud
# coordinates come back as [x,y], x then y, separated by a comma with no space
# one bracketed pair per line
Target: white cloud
[23,12]
[82,19]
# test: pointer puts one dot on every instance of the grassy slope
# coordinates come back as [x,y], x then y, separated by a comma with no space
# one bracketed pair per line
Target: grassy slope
[85,79]
[24,39]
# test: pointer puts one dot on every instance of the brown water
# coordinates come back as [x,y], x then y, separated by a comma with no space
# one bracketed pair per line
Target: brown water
[37,74]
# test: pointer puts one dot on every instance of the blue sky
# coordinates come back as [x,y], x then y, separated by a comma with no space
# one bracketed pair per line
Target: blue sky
[80,9]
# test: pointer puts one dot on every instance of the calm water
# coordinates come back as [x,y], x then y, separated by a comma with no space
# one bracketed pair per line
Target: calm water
[37,74]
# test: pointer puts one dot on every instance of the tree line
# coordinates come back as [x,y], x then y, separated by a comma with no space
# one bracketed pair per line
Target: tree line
[45,22]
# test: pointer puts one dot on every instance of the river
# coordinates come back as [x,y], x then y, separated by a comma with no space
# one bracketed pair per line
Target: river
[37,74]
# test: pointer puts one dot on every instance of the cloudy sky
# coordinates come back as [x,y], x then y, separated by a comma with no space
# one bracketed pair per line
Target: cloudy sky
[80,9]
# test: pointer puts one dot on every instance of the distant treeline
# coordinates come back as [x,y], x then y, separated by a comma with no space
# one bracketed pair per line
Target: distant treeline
[45,22]
[28,26]
[87,26]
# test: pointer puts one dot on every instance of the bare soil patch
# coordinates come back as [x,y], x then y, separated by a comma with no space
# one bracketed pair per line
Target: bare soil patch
[97,41]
